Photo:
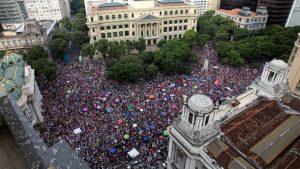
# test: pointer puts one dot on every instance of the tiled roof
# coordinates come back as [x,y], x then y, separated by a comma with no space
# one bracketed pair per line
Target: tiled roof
[235,12]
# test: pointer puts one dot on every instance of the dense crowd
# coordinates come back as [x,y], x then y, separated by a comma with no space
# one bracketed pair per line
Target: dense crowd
[105,110]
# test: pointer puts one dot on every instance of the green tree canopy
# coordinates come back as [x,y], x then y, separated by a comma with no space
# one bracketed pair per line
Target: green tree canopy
[58,47]
[116,49]
[102,46]
[190,37]
[80,37]
[151,70]
[140,45]
[2,53]
[126,72]
[60,34]
[147,57]
[65,23]
[87,50]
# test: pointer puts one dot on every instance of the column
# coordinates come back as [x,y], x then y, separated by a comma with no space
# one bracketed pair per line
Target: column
[273,78]
[192,163]
[187,163]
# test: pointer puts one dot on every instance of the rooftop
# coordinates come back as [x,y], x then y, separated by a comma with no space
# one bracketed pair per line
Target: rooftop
[263,134]
[235,12]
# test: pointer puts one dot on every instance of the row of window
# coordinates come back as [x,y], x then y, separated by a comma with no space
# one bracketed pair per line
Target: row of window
[125,16]
[21,42]
[180,28]
[114,34]
[170,37]
[175,21]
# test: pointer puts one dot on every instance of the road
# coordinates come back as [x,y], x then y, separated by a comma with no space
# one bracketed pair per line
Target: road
[74,52]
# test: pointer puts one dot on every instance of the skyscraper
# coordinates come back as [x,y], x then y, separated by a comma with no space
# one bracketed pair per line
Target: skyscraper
[12,11]
[231,4]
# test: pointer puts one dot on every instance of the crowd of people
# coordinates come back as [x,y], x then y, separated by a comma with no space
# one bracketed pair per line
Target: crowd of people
[114,118]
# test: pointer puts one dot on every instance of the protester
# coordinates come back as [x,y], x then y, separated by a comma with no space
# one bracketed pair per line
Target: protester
[106,111]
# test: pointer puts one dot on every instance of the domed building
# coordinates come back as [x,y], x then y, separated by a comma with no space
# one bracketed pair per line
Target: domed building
[191,131]
[273,81]
[17,80]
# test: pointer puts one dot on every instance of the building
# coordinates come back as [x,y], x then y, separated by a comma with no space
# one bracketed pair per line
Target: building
[293,19]
[294,75]
[232,4]
[250,131]
[14,36]
[12,11]
[154,21]
[244,18]
[204,5]
[17,79]
[48,10]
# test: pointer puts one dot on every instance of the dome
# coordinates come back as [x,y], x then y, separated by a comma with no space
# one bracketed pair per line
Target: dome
[200,103]
[278,65]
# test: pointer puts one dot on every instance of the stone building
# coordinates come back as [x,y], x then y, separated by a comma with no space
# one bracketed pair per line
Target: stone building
[17,79]
[152,20]
[294,75]
[258,129]
[48,10]
[293,19]
[12,11]
[14,36]
[204,5]
[244,18]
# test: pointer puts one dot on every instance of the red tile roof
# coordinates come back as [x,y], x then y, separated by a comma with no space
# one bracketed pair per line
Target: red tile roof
[234,12]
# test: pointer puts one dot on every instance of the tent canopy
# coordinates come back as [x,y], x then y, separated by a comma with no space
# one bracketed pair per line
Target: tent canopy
[77,131]
[133,153]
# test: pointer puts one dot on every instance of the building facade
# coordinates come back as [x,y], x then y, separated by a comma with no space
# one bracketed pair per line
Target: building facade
[293,19]
[153,21]
[294,75]
[244,18]
[204,5]
[232,4]
[24,35]
[17,79]
[253,130]
[12,11]
[48,10]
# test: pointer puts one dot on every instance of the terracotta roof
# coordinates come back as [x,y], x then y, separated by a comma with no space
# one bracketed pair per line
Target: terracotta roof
[109,8]
[235,12]
[250,127]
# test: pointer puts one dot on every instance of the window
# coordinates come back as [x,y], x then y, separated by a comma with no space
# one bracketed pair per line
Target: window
[126,26]
[125,16]
[108,35]
[121,33]
[181,11]
[185,21]
[114,27]
[126,33]
[92,19]
[106,17]
[102,28]
[165,37]
[176,12]
[93,29]
[180,28]
[175,37]
[165,22]
[180,36]
[120,26]
[115,34]
[191,118]
[170,29]
[119,16]
[165,29]
[133,34]
[132,25]
[166,12]
[171,12]
[113,17]
[195,11]
[101,18]
[132,15]
[175,28]
[170,22]
[206,120]
[108,27]
[186,11]
[103,35]
[160,13]
[94,38]
[180,21]
[184,27]
[270,76]
[170,37]
[175,22]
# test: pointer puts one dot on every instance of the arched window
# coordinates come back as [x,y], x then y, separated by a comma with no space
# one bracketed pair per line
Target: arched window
[119,16]
[171,12]
[166,12]
[206,120]
[191,118]
[176,12]
[125,16]
[181,11]
[113,17]
[100,17]
[106,17]
[186,11]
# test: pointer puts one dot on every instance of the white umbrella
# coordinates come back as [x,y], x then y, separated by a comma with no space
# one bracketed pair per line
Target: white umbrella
[134,125]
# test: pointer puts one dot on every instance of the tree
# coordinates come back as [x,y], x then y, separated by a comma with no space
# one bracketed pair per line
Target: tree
[102,46]
[202,39]
[76,5]
[129,46]
[147,57]
[60,34]
[151,70]
[2,53]
[240,33]
[80,37]
[116,50]
[79,23]
[87,50]
[222,48]
[126,72]
[2,121]
[65,23]
[235,58]
[140,45]
[161,43]
[190,37]
[58,47]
